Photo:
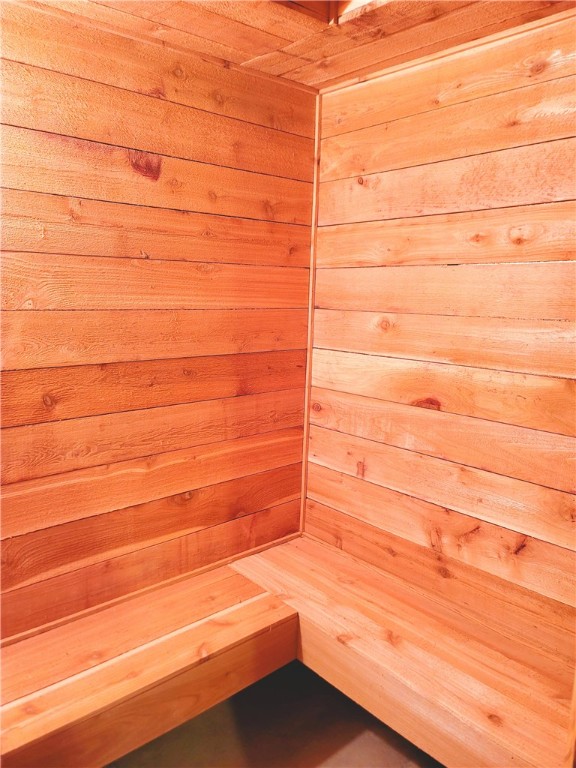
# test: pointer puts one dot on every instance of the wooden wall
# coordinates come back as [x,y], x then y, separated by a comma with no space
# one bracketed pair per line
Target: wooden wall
[157,208]
[442,411]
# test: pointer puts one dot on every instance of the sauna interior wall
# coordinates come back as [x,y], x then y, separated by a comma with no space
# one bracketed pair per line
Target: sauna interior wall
[442,410]
[157,209]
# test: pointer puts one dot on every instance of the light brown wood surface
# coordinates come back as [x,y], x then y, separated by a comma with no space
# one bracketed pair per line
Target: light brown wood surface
[520,234]
[443,406]
[44,223]
[58,282]
[541,112]
[523,291]
[156,251]
[537,402]
[352,639]
[499,551]
[49,394]
[541,53]
[44,162]
[205,623]
[540,173]
[51,340]
[49,552]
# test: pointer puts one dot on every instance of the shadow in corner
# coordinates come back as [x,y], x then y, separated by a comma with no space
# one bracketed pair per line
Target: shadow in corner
[290,719]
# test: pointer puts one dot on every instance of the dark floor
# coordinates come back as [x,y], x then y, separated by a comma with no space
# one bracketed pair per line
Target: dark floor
[291,719]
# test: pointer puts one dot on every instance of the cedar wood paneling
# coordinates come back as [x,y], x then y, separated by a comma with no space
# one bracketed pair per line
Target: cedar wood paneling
[157,210]
[442,407]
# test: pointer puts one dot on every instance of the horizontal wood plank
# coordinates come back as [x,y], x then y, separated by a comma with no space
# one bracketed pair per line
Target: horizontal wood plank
[51,394]
[526,454]
[184,603]
[81,590]
[43,502]
[120,22]
[52,551]
[208,23]
[541,112]
[525,291]
[463,25]
[171,74]
[480,70]
[483,600]
[531,346]
[541,173]
[536,402]
[84,109]
[435,649]
[522,234]
[33,340]
[254,639]
[538,566]
[53,448]
[43,162]
[44,223]
[34,281]
[528,509]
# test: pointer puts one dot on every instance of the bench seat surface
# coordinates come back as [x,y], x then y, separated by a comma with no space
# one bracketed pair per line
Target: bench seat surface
[475,678]
[149,663]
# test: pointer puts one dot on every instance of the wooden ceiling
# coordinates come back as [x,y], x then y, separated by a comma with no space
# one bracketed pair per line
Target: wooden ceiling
[318,44]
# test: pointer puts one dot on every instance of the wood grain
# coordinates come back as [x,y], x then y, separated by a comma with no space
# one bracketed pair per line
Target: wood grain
[43,162]
[537,457]
[527,291]
[541,112]
[43,223]
[35,504]
[526,508]
[53,448]
[34,35]
[539,54]
[540,173]
[60,549]
[90,587]
[49,101]
[33,340]
[531,346]
[463,25]
[522,234]
[255,640]
[536,402]
[50,394]
[538,566]
[134,625]
[354,633]
[53,281]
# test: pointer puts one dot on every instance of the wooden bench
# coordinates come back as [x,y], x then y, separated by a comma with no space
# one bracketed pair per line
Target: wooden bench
[93,689]
[476,677]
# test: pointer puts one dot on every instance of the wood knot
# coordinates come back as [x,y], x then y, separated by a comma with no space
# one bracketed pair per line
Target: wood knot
[496,719]
[444,572]
[145,163]
[393,638]
[538,67]
[428,402]
[390,551]
[316,407]
[49,401]
[178,72]
[360,180]
[521,545]
[360,469]
[385,324]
